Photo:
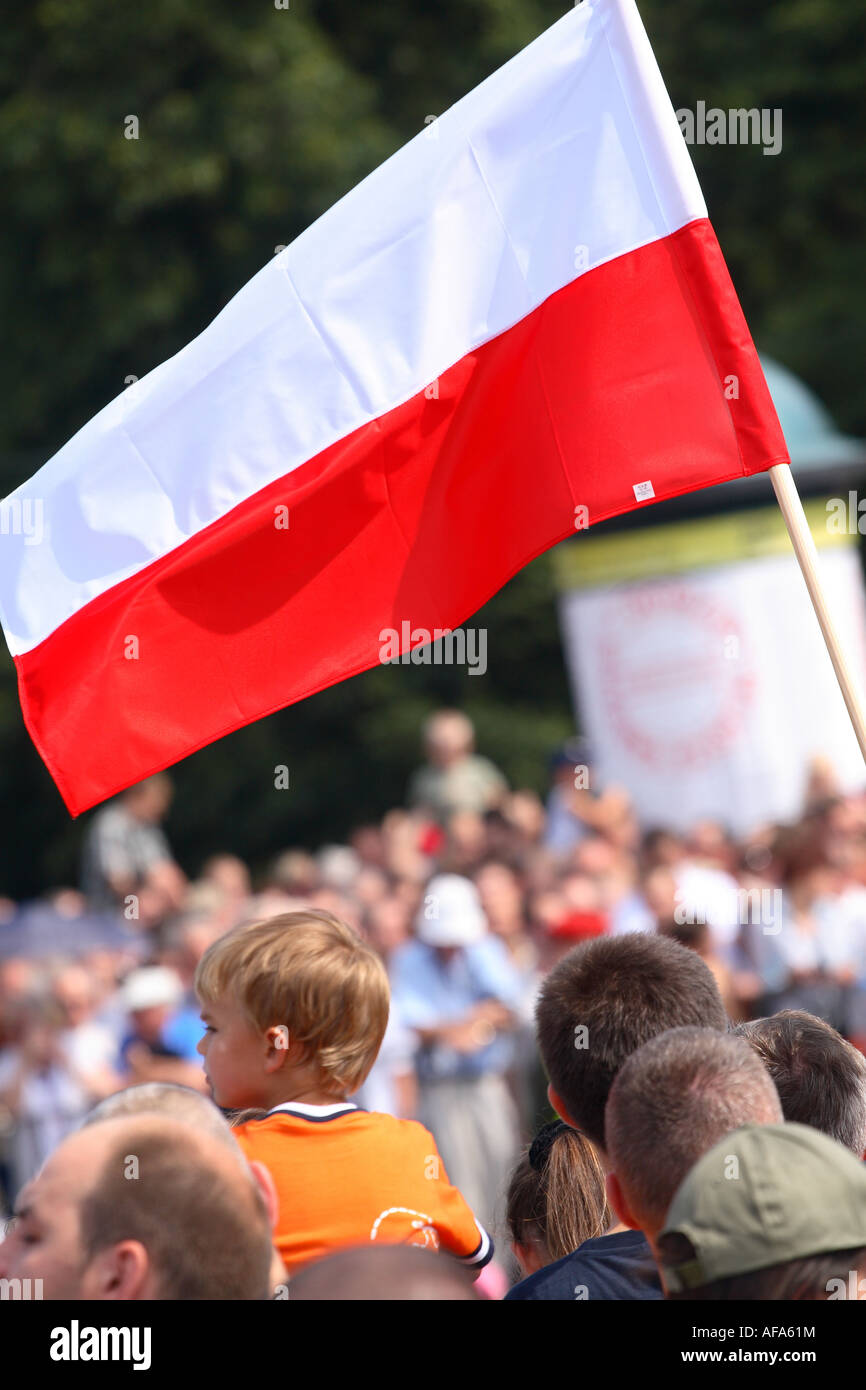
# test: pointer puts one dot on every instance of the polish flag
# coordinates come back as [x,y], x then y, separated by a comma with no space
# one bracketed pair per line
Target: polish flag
[519,325]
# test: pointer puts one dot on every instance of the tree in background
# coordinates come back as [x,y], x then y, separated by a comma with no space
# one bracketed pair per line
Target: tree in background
[252,121]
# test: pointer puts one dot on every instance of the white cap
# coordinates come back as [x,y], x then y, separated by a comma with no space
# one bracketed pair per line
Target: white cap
[451,913]
[150,987]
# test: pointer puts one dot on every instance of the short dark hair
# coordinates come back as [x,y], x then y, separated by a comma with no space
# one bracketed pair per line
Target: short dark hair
[623,990]
[821,1078]
[795,1280]
[672,1100]
[206,1237]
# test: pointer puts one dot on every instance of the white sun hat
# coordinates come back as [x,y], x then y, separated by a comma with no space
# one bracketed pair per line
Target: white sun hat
[150,987]
[451,913]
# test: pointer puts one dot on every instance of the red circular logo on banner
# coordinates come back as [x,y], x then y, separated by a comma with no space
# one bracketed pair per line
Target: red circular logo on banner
[676,674]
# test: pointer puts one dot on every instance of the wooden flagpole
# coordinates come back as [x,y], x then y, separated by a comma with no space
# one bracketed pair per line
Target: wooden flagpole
[804,547]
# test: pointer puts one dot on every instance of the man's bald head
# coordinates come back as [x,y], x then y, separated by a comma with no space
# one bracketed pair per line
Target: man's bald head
[165,1098]
[383,1273]
[188,1106]
[138,1207]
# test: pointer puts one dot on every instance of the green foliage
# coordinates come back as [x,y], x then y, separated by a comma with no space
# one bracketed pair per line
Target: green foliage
[252,120]
[791,225]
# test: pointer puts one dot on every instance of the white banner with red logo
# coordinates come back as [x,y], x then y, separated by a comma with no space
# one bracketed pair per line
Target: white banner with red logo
[706,691]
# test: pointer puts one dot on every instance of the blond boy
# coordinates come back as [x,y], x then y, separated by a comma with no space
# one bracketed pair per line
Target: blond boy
[294,1010]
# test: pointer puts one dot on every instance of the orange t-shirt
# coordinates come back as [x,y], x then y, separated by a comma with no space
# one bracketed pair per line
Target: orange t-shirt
[345,1176]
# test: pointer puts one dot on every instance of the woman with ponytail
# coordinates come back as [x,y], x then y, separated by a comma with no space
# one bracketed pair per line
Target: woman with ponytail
[556,1198]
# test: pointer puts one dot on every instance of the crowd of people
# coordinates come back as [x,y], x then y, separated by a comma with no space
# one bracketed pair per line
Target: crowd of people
[581,1058]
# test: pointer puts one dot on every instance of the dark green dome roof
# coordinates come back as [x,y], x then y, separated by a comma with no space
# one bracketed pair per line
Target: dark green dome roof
[813,441]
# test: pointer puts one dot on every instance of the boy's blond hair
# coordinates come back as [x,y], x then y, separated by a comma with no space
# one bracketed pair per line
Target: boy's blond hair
[314,975]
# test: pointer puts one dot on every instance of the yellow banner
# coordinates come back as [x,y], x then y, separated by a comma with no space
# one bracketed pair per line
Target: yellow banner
[593,561]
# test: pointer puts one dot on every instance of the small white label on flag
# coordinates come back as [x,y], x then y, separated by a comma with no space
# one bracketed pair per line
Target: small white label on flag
[643,490]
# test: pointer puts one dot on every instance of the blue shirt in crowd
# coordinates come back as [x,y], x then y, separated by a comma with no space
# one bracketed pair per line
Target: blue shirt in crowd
[615,1267]
[430,990]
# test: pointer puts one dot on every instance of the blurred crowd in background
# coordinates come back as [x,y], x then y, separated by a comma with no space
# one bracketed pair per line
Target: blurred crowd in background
[470,892]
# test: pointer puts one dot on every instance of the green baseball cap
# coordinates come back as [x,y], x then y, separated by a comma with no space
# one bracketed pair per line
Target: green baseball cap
[764,1195]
